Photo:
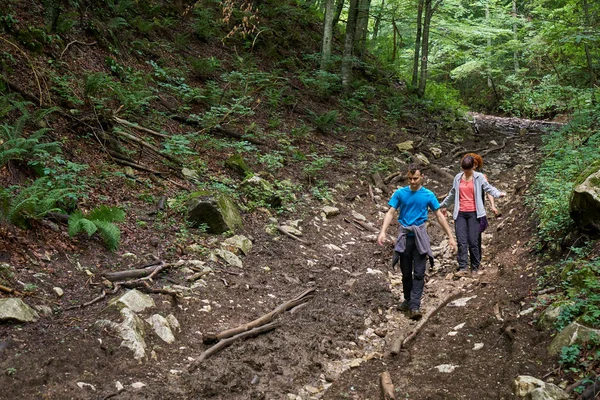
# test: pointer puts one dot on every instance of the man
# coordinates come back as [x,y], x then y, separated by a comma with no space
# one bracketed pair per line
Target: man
[413,245]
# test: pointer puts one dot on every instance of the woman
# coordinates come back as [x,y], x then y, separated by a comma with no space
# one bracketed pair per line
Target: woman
[467,196]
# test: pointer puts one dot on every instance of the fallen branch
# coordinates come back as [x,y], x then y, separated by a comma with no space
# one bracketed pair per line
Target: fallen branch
[140,128]
[441,172]
[148,146]
[418,329]
[391,176]
[133,165]
[89,303]
[366,225]
[280,229]
[8,290]
[299,299]
[224,343]
[130,274]
[73,42]
[387,387]
[482,151]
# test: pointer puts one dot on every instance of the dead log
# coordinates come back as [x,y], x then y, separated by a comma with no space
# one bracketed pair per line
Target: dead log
[419,327]
[140,128]
[379,182]
[148,146]
[441,172]
[391,176]
[387,387]
[226,342]
[220,130]
[366,225]
[89,303]
[130,274]
[396,344]
[299,299]
[8,290]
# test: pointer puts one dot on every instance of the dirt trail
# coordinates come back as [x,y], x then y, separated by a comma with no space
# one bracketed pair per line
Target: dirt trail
[336,345]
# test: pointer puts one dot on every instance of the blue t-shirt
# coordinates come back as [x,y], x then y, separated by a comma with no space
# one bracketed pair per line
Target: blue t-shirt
[413,206]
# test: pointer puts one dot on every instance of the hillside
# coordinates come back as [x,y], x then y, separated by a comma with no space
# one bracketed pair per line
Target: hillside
[140,107]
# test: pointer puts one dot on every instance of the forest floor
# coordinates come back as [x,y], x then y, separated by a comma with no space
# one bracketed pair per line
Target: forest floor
[335,345]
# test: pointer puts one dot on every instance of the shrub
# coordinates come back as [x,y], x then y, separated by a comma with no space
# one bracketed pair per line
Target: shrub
[100,220]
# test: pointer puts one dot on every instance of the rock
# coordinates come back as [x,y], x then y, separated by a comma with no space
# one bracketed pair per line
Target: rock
[436,151]
[291,229]
[584,206]
[227,256]
[14,309]
[261,191]
[217,212]
[161,327]
[461,302]
[173,323]
[536,389]
[129,257]
[356,362]
[550,314]
[138,385]
[236,243]
[83,385]
[574,333]
[131,331]
[405,146]
[58,291]
[189,174]
[422,159]
[46,311]
[332,247]
[134,300]
[523,384]
[331,211]
[446,368]
[358,216]
[478,346]
[237,163]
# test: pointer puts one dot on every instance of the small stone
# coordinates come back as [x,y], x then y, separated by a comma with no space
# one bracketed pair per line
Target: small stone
[84,385]
[59,292]
[446,368]
[311,389]
[138,385]
[478,346]
[356,363]
[331,211]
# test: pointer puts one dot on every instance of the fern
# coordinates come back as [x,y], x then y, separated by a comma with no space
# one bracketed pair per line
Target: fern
[99,220]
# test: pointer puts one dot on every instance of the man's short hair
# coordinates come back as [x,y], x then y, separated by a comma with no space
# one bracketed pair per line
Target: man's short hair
[413,168]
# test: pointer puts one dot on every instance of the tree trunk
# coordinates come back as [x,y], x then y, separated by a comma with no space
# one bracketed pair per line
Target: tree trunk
[425,48]
[416,57]
[378,21]
[327,34]
[395,29]
[339,6]
[516,53]
[349,45]
[588,55]
[489,45]
[362,23]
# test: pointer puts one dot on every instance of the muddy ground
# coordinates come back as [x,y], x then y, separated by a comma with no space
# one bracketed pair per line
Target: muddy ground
[335,346]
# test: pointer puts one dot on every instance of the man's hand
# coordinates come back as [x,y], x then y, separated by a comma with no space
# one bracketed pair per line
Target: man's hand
[502,194]
[381,238]
[444,212]
[452,244]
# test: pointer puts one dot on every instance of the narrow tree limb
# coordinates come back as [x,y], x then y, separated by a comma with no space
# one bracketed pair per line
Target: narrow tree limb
[418,329]
[387,387]
[130,274]
[140,128]
[280,229]
[441,172]
[147,145]
[73,42]
[226,342]
[299,299]
[137,166]
[89,303]
[222,131]
[397,344]
[8,290]
[366,225]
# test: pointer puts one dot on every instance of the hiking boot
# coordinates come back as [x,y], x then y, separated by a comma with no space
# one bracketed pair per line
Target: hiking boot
[474,271]
[415,314]
[462,272]
[403,306]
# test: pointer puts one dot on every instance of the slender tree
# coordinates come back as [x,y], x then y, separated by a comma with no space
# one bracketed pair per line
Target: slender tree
[362,23]
[349,45]
[339,6]
[416,56]
[378,21]
[327,34]
[429,11]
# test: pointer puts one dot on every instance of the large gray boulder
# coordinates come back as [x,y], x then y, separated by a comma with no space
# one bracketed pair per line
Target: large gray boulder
[585,199]
[574,333]
[216,211]
[15,310]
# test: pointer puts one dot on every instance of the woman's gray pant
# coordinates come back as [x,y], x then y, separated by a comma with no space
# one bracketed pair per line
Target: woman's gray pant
[467,237]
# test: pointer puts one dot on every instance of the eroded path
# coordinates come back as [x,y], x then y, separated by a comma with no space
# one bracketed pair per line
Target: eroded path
[337,344]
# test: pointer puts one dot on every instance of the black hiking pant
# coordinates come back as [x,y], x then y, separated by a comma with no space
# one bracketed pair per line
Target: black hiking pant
[412,265]
[467,237]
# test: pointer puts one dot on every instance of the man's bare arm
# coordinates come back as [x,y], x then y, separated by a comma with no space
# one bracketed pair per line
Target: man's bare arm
[442,220]
[387,220]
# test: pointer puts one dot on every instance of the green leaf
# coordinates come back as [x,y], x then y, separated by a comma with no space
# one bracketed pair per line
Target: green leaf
[109,214]
[110,233]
